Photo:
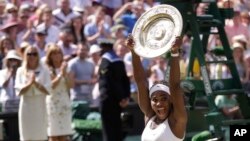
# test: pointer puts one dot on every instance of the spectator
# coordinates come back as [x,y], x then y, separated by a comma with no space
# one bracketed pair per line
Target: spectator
[52,30]
[11,29]
[114,89]
[58,103]
[235,27]
[9,100]
[65,43]
[95,58]
[3,16]
[77,27]
[128,19]
[82,71]
[12,11]
[32,84]
[64,13]
[97,29]
[119,31]
[229,106]
[120,48]
[6,44]
[40,43]
[112,6]
[241,65]
[23,26]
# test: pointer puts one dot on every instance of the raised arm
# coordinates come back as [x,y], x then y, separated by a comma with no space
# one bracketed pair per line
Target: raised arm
[141,81]
[122,10]
[179,112]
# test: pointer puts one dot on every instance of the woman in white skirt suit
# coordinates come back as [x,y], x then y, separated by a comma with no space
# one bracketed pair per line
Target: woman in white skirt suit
[32,85]
[58,103]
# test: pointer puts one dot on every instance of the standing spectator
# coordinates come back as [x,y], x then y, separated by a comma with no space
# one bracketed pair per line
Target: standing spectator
[77,27]
[95,58]
[64,13]
[114,89]
[65,43]
[128,19]
[97,29]
[58,103]
[8,98]
[10,29]
[82,71]
[32,85]
[40,43]
[23,27]
[52,30]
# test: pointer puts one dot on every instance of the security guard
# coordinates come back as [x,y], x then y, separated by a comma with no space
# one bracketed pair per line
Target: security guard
[114,89]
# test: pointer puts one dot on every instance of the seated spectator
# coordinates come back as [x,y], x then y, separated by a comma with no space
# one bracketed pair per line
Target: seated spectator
[228,105]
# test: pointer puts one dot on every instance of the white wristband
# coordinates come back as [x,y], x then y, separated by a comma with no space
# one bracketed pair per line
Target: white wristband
[175,54]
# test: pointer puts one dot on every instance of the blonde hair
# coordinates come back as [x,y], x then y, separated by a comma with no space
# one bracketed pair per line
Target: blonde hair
[25,58]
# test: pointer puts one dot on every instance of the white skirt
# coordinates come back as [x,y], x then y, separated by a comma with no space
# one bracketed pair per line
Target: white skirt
[32,117]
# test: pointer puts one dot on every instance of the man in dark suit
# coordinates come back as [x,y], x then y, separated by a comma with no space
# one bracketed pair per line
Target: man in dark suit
[114,88]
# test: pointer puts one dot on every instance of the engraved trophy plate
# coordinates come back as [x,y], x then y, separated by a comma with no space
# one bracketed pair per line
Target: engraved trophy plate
[156,29]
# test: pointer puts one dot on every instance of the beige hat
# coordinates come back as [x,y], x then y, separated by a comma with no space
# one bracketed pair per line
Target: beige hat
[94,49]
[117,27]
[237,45]
[13,54]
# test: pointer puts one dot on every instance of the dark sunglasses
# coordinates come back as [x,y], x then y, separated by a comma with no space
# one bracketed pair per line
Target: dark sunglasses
[32,54]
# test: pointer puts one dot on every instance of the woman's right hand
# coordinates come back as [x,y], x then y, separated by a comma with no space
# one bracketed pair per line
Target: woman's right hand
[130,43]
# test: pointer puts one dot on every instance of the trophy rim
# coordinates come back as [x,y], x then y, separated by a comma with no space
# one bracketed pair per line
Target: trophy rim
[164,13]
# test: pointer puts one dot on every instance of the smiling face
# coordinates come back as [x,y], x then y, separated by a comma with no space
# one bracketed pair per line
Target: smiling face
[160,103]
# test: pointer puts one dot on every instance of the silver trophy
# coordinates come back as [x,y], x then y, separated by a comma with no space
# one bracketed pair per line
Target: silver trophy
[156,29]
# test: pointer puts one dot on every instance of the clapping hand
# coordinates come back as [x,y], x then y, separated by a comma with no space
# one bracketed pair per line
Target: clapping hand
[64,68]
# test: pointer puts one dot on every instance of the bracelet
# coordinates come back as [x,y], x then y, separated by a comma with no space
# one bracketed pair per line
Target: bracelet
[175,54]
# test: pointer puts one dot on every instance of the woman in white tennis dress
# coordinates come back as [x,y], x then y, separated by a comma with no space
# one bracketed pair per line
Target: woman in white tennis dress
[32,85]
[58,103]
[162,104]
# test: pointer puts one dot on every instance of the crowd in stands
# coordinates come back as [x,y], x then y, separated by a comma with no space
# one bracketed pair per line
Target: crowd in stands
[54,44]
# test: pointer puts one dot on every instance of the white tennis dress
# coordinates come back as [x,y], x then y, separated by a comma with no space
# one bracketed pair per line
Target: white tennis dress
[32,115]
[161,133]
